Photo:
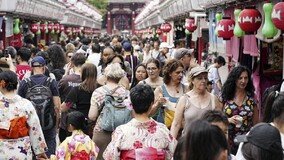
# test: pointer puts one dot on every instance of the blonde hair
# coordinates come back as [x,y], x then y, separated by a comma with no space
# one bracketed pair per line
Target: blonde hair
[114,71]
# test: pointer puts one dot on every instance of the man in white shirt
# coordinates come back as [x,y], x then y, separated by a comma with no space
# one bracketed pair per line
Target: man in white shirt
[95,56]
[213,74]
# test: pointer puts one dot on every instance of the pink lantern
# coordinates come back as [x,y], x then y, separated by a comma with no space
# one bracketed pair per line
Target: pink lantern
[61,27]
[68,30]
[43,27]
[166,27]
[34,27]
[159,31]
[50,27]
[250,20]
[190,24]
[225,28]
[56,27]
[278,15]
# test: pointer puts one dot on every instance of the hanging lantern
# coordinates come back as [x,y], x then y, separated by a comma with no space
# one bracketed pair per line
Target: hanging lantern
[166,27]
[159,31]
[16,29]
[250,20]
[218,18]
[278,15]
[50,27]
[56,27]
[225,28]
[268,29]
[42,27]
[190,24]
[68,30]
[61,27]
[34,27]
[38,29]
[238,32]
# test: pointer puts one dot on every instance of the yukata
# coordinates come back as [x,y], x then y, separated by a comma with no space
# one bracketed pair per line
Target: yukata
[77,146]
[136,134]
[20,130]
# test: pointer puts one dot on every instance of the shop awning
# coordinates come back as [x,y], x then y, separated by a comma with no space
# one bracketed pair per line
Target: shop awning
[44,9]
[212,3]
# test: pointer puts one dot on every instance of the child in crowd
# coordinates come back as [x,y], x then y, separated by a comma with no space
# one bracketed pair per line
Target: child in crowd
[78,145]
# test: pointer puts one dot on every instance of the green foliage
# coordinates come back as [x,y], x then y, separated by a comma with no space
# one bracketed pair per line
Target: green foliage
[101,5]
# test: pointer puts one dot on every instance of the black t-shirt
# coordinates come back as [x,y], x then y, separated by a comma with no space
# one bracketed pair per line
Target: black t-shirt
[79,100]
[67,83]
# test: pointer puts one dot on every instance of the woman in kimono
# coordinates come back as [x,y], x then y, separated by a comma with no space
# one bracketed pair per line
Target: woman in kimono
[20,129]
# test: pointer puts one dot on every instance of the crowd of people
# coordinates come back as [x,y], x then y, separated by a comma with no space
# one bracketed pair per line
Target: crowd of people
[129,98]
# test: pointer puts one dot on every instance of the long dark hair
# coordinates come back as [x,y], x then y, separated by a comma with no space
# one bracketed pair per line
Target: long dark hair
[135,81]
[56,56]
[89,77]
[205,141]
[229,88]
[274,107]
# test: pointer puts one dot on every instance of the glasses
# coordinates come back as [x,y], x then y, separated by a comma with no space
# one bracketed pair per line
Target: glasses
[151,69]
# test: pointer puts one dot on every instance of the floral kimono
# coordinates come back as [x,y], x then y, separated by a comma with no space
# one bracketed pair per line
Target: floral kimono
[136,134]
[78,146]
[20,130]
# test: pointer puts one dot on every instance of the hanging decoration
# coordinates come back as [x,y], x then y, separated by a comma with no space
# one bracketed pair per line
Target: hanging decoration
[268,29]
[225,28]
[238,32]
[218,17]
[43,27]
[34,27]
[46,27]
[16,29]
[190,24]
[56,27]
[166,27]
[38,29]
[50,27]
[68,30]
[159,31]
[187,32]
[278,15]
[250,20]
[61,28]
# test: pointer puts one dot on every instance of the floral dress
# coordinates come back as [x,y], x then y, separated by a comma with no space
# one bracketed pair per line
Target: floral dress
[77,146]
[20,130]
[136,134]
[245,111]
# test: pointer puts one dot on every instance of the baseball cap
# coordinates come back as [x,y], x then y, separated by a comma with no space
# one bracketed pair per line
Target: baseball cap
[127,46]
[265,136]
[196,71]
[38,61]
[182,52]
[136,47]
[164,45]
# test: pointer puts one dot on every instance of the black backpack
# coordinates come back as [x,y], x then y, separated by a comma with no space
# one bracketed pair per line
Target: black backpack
[42,99]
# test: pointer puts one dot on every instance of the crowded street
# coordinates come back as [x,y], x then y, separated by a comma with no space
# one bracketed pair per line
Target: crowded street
[141,80]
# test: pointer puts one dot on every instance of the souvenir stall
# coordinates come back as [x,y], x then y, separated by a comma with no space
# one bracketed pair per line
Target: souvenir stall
[249,32]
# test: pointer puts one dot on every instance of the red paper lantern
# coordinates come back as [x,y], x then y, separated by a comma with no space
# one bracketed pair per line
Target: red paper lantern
[190,24]
[166,27]
[68,30]
[34,27]
[278,15]
[61,27]
[42,27]
[225,28]
[56,27]
[159,31]
[250,20]
[50,27]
